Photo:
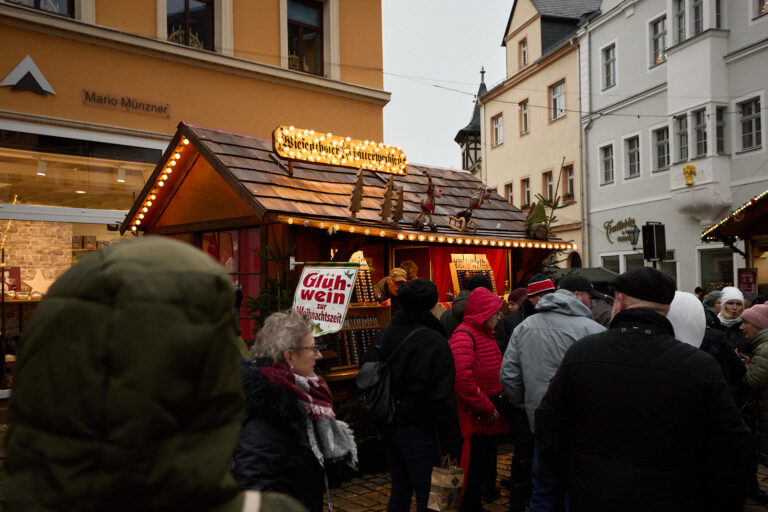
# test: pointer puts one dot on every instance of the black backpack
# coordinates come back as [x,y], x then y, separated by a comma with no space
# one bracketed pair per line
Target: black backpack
[374,397]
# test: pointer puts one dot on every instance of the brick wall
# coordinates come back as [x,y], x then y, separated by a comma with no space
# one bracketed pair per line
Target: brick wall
[33,245]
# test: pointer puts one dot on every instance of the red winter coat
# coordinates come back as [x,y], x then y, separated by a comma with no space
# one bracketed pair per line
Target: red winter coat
[477,370]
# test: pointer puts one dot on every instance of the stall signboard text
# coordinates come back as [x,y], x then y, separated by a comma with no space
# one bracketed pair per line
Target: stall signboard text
[324,148]
[323,295]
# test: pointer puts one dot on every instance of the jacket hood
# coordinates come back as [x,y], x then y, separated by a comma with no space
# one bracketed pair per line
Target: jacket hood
[686,314]
[459,305]
[482,304]
[127,392]
[758,338]
[564,302]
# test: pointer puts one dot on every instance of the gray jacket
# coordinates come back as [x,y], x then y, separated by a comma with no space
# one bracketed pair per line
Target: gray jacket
[538,344]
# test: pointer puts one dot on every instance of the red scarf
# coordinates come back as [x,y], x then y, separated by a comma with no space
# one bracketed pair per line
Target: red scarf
[312,393]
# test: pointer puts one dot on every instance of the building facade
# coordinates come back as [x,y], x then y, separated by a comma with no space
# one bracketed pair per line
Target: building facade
[671,94]
[91,92]
[530,128]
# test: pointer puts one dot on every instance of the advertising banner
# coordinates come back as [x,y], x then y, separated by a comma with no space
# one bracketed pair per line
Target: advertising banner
[747,280]
[323,295]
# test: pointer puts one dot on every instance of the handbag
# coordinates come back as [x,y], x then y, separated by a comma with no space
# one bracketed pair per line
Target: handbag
[445,488]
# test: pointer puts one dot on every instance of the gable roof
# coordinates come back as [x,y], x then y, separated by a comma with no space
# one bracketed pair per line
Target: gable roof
[317,192]
[573,9]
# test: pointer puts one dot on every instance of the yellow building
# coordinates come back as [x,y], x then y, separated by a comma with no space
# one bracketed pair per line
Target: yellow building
[91,92]
[530,128]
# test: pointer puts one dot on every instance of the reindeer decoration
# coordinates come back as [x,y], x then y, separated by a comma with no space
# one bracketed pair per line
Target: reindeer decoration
[428,206]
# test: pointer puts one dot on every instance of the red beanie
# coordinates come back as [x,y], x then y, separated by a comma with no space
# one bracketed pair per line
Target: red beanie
[757,315]
[538,284]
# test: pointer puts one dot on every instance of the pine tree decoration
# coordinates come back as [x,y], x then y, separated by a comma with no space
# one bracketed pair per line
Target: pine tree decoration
[398,215]
[386,206]
[356,199]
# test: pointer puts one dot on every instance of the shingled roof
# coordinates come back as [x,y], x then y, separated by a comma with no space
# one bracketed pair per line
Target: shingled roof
[322,192]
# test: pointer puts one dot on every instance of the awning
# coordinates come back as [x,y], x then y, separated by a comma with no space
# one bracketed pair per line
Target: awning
[748,220]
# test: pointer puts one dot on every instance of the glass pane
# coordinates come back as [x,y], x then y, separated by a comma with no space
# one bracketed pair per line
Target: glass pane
[312,41]
[27,3]
[176,21]
[201,24]
[716,268]
[303,13]
[294,46]
[57,6]
[611,263]
[633,261]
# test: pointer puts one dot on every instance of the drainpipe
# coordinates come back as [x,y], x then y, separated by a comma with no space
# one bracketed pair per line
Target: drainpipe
[582,162]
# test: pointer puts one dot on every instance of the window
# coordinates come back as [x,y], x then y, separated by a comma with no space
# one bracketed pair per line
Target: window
[680,20]
[510,192]
[720,129]
[698,17]
[523,56]
[606,155]
[62,7]
[682,136]
[719,13]
[498,130]
[762,7]
[525,188]
[750,124]
[568,180]
[700,127]
[190,22]
[659,40]
[524,120]
[716,268]
[661,142]
[557,100]
[611,263]
[548,185]
[305,36]
[633,156]
[609,66]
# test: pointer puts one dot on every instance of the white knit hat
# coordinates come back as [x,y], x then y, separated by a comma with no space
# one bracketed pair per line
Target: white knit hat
[686,314]
[731,293]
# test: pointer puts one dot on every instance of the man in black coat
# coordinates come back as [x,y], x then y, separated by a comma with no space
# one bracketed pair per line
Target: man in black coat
[635,421]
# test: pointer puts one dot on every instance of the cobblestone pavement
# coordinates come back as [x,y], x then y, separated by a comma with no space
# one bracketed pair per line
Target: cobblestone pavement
[369,493]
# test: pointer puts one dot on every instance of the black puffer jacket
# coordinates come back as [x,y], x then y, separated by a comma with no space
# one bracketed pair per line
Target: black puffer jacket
[733,335]
[422,376]
[273,453]
[636,421]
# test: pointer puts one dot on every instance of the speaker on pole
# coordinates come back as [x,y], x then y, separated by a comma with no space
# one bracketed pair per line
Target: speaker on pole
[654,241]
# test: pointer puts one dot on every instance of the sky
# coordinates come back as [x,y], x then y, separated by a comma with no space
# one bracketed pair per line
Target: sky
[431,46]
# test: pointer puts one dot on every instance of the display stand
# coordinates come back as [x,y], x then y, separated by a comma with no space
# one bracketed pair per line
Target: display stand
[464,266]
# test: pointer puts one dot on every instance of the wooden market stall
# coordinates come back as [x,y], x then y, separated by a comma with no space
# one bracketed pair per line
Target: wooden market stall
[232,195]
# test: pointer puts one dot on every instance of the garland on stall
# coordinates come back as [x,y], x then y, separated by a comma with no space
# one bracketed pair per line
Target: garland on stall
[709,234]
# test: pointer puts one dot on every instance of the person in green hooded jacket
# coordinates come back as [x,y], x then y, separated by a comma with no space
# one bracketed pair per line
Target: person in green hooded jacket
[127,393]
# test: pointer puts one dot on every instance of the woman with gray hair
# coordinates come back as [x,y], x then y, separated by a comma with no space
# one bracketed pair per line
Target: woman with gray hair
[290,434]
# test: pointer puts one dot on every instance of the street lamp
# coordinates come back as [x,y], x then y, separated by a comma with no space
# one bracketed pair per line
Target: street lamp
[633,232]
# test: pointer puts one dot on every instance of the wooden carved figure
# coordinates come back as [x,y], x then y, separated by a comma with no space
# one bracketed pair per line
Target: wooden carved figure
[428,206]
[463,219]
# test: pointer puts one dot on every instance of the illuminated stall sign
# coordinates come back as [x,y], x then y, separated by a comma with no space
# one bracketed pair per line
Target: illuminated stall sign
[308,146]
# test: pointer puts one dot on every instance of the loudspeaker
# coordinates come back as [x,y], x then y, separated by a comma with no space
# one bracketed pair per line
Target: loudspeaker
[654,242]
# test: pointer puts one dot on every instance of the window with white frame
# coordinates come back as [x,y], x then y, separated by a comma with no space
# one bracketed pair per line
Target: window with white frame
[720,129]
[568,191]
[680,20]
[525,191]
[547,186]
[681,124]
[557,100]
[700,129]
[606,158]
[523,48]
[190,22]
[698,17]
[661,148]
[632,146]
[305,36]
[524,120]
[609,66]
[659,40]
[751,136]
[497,124]
[719,13]
[510,192]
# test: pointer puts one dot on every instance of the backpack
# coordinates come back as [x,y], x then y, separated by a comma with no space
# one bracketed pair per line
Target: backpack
[374,397]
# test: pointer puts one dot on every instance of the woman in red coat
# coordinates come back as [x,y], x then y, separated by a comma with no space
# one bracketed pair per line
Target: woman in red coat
[478,363]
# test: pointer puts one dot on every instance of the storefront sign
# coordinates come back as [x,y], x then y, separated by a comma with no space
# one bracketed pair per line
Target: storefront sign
[127,103]
[747,280]
[323,296]
[307,146]
[618,227]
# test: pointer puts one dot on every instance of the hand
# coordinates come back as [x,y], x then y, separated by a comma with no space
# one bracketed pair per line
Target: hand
[493,418]
[744,357]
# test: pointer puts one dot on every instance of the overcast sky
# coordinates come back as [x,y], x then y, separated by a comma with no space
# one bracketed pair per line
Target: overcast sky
[430,43]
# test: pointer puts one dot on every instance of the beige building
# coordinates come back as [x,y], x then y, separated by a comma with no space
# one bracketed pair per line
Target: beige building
[530,122]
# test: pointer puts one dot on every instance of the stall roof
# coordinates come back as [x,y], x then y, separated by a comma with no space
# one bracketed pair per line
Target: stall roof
[748,220]
[318,195]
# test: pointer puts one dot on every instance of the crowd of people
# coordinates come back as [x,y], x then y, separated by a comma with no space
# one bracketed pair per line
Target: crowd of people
[131,393]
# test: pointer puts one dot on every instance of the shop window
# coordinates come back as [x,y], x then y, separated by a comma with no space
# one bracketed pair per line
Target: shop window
[305,36]
[633,156]
[60,7]
[611,263]
[497,124]
[669,265]
[557,100]
[700,129]
[609,66]
[524,119]
[659,40]
[751,137]
[682,136]
[632,261]
[716,268]
[661,145]
[680,20]
[606,158]
[190,22]
[523,50]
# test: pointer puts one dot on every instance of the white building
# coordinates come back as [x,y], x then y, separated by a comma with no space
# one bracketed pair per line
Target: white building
[672,100]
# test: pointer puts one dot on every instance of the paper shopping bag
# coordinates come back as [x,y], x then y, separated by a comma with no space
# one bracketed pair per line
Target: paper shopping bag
[445,489]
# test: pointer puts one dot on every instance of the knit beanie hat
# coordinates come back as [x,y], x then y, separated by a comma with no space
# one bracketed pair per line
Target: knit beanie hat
[539,284]
[478,280]
[757,316]
[517,294]
[686,314]
[711,298]
[418,294]
[731,293]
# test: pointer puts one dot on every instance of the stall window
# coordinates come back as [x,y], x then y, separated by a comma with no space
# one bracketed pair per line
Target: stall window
[190,22]
[716,268]
[305,36]
[61,7]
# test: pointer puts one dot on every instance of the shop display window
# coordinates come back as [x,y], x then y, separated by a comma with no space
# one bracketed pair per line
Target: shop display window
[611,263]
[716,268]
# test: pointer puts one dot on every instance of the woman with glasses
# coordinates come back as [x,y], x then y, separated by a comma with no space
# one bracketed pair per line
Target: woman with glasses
[290,434]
